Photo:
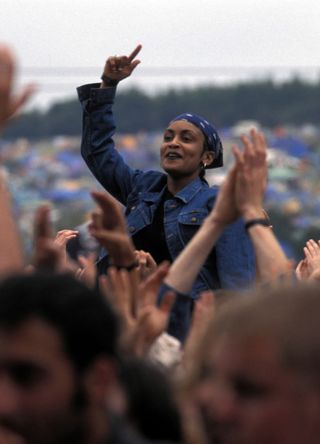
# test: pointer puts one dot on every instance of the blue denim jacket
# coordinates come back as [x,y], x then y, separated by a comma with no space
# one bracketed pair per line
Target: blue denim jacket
[231,264]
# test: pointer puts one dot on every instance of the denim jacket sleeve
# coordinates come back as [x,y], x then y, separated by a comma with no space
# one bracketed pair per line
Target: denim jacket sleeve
[235,257]
[97,146]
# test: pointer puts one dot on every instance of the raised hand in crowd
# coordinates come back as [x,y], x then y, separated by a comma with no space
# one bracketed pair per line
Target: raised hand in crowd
[118,68]
[10,104]
[153,318]
[62,238]
[49,252]
[147,264]
[251,179]
[87,271]
[250,186]
[142,320]
[120,287]
[302,270]
[135,301]
[309,267]
[11,255]
[108,227]
[46,254]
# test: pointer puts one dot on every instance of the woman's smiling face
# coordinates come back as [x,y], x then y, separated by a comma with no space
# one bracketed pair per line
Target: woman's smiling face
[182,151]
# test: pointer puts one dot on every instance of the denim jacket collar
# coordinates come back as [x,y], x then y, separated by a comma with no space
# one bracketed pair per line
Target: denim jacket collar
[153,197]
[189,191]
[186,194]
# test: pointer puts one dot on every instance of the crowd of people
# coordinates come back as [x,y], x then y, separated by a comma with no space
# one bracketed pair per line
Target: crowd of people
[191,326]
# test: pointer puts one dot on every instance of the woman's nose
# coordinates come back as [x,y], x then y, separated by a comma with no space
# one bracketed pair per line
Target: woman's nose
[174,141]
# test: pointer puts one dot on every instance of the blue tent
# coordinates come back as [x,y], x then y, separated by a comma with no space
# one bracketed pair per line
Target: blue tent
[63,195]
[291,145]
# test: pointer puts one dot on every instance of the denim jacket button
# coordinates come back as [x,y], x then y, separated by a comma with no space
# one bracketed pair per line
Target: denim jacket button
[132,208]
[193,219]
[132,229]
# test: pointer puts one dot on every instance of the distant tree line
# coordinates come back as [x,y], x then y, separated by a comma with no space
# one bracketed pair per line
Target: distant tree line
[292,102]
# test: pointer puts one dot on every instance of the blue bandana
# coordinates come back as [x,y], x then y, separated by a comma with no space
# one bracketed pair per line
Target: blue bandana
[211,136]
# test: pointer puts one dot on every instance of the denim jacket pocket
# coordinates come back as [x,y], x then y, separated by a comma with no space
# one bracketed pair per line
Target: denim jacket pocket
[132,203]
[190,221]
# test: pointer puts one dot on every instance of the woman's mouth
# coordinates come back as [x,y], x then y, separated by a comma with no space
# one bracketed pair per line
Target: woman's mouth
[173,156]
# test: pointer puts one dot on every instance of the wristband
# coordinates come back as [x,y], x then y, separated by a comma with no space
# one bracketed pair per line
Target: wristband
[107,81]
[253,222]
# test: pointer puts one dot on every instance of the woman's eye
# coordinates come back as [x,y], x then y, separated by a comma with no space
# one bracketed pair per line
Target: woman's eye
[167,137]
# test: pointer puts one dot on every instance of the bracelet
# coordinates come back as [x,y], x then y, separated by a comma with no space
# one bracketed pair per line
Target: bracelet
[253,222]
[130,267]
[108,81]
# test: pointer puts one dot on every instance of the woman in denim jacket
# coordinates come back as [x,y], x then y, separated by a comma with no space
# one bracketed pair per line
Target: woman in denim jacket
[164,210]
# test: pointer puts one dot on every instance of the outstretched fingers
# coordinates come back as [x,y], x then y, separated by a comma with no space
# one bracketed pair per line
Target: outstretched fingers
[19,101]
[118,68]
[112,215]
[311,249]
[248,148]
[104,200]
[63,236]
[260,147]
[42,226]
[134,53]
[150,287]
[254,148]
[238,155]
[10,105]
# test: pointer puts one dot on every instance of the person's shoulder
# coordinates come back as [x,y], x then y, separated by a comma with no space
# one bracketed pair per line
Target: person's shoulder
[210,193]
[151,180]
[213,190]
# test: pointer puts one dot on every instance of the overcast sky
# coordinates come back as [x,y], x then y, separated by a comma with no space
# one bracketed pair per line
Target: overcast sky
[79,35]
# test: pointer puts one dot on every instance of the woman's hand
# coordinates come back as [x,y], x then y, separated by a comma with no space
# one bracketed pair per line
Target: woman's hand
[118,68]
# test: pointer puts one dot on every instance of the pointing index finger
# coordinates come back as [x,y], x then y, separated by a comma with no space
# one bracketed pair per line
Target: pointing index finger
[134,53]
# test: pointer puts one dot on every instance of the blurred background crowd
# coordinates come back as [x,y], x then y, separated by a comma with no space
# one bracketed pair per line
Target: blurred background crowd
[51,170]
